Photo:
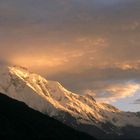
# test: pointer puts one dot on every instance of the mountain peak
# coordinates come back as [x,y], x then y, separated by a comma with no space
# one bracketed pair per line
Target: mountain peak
[19,67]
[50,97]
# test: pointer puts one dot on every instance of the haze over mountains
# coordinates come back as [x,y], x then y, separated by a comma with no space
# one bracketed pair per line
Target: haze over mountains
[81,112]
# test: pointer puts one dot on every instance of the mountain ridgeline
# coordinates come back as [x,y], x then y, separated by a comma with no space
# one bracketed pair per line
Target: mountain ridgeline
[82,112]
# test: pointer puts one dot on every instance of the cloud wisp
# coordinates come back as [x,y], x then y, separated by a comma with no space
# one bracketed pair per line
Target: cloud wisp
[114,92]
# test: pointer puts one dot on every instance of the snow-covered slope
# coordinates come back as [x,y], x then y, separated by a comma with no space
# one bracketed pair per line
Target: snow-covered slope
[15,87]
[51,97]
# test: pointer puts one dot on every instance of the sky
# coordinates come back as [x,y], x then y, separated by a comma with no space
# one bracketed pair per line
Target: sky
[90,46]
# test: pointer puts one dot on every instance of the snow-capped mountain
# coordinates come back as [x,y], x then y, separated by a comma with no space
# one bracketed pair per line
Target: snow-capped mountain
[50,97]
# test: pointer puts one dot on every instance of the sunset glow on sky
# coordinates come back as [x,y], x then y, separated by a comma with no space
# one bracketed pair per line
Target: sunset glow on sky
[87,45]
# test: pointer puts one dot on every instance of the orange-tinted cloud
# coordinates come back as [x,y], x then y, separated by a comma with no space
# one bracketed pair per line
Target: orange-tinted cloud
[83,44]
[115,92]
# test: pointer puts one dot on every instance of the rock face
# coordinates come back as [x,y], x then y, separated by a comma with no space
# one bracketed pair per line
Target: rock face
[79,111]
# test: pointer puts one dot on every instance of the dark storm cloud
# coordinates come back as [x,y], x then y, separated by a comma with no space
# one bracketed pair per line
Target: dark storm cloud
[86,44]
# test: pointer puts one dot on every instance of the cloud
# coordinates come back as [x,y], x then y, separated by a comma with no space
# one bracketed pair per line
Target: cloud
[105,84]
[136,101]
[132,26]
[115,92]
[83,44]
[4,62]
